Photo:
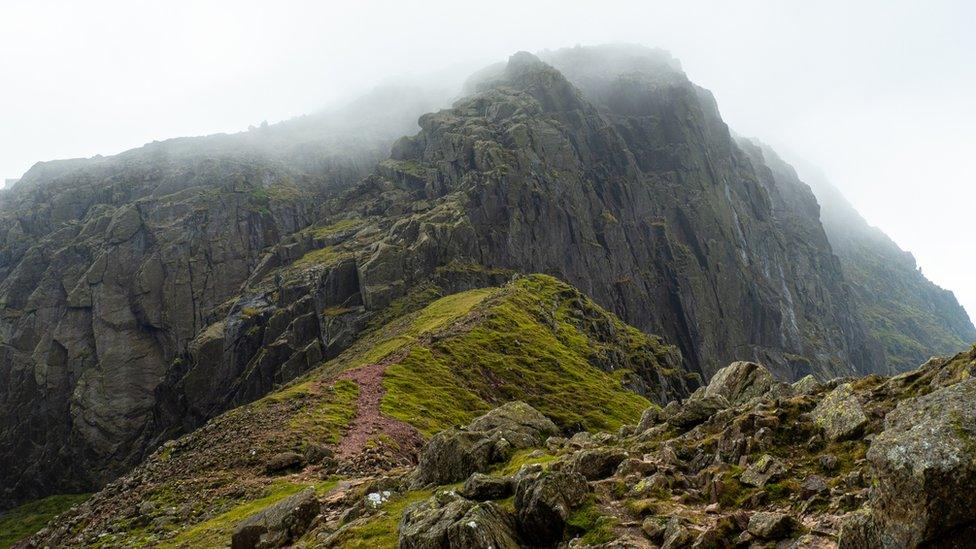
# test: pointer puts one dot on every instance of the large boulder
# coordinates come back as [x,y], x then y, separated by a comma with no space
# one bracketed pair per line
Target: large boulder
[453,454]
[840,414]
[924,464]
[694,411]
[740,382]
[482,487]
[543,502]
[279,524]
[448,520]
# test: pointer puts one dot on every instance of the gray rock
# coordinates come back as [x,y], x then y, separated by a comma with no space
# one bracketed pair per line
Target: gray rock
[284,461]
[739,382]
[770,525]
[544,502]
[839,414]
[597,463]
[806,385]
[279,524]
[694,411]
[766,469]
[448,520]
[482,487]
[454,454]
[924,464]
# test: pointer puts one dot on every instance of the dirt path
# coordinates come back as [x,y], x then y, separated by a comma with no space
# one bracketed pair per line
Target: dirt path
[369,422]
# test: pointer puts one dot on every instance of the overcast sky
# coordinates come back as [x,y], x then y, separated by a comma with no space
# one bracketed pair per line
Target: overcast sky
[878,94]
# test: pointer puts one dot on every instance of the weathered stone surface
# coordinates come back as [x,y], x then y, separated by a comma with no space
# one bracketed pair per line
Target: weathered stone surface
[769,525]
[840,414]
[481,487]
[278,525]
[766,469]
[447,520]
[694,411]
[543,503]
[806,385]
[597,463]
[454,454]
[924,464]
[740,381]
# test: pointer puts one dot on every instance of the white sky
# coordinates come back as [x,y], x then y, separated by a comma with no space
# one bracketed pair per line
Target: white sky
[879,94]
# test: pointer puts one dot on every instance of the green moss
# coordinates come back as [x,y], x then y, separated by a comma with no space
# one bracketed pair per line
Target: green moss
[27,519]
[216,531]
[591,525]
[381,528]
[337,227]
[329,413]
[535,344]
[321,256]
[521,459]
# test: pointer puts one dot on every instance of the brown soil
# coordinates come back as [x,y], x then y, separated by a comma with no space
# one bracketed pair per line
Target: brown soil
[369,422]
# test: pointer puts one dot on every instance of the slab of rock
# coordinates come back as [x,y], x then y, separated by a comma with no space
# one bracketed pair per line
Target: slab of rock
[448,520]
[740,381]
[766,469]
[839,414]
[279,524]
[543,503]
[924,464]
[806,385]
[597,463]
[482,487]
[453,454]
[282,462]
[694,411]
[770,525]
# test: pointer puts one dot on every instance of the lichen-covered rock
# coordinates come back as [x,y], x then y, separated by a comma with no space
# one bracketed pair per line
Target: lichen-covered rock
[770,525]
[924,464]
[694,411]
[543,503]
[598,463]
[482,487]
[766,469]
[278,525]
[840,414]
[448,520]
[740,381]
[806,385]
[452,455]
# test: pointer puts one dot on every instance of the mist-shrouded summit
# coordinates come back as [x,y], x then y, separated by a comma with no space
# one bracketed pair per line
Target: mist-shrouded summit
[386,256]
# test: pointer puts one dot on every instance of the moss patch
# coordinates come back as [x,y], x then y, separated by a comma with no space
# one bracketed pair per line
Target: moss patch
[536,343]
[27,519]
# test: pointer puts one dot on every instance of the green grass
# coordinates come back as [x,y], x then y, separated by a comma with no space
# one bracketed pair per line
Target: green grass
[380,531]
[520,459]
[27,519]
[325,418]
[216,532]
[590,524]
[337,227]
[535,344]
[321,256]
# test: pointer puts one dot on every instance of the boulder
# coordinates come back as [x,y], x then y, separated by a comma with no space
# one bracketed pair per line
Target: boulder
[482,487]
[597,463]
[770,525]
[694,411]
[739,382]
[279,524]
[543,503]
[284,461]
[448,520]
[839,414]
[924,463]
[454,454]
[766,469]
[806,385]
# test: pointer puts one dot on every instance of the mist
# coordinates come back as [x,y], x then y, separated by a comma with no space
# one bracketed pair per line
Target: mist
[877,95]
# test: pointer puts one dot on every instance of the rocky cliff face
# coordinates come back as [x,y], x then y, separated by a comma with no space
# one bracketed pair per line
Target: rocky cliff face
[149,292]
[110,267]
[909,315]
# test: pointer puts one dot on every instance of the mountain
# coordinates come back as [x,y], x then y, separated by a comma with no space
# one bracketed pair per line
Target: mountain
[148,293]
[912,317]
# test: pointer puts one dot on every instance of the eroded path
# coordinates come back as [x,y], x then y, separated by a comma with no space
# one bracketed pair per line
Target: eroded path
[370,423]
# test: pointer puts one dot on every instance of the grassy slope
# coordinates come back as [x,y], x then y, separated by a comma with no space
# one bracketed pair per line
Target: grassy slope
[536,339]
[26,519]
